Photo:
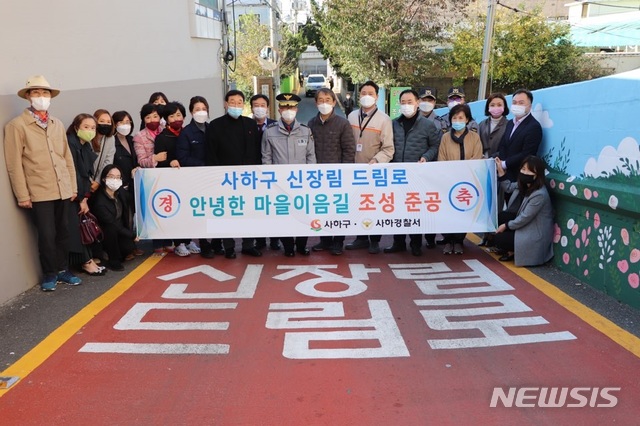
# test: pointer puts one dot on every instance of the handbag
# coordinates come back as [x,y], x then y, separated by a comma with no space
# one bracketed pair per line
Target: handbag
[90,231]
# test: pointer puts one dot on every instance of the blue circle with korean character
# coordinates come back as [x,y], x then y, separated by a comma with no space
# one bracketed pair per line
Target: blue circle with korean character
[464,196]
[165,203]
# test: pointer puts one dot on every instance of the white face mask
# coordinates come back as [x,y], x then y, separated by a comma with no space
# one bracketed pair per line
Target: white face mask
[41,103]
[124,129]
[367,101]
[200,116]
[113,184]
[259,113]
[408,110]
[288,115]
[163,122]
[518,110]
[453,103]
[426,106]
[325,108]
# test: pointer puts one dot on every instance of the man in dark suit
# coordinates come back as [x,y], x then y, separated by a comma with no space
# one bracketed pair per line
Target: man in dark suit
[260,109]
[522,135]
[232,140]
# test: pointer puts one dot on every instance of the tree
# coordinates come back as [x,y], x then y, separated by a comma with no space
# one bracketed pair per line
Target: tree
[390,42]
[528,51]
[250,36]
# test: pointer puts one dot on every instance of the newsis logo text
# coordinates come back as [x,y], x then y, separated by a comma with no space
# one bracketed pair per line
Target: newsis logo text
[554,397]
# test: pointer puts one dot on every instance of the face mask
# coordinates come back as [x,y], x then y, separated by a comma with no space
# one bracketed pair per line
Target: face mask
[260,113]
[367,101]
[113,184]
[104,129]
[458,125]
[348,96]
[288,115]
[453,103]
[518,110]
[163,122]
[86,135]
[176,125]
[426,106]
[407,110]
[200,116]
[325,109]
[124,129]
[526,179]
[234,112]
[496,111]
[41,103]
[153,126]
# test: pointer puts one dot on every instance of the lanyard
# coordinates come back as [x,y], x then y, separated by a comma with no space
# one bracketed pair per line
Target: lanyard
[362,128]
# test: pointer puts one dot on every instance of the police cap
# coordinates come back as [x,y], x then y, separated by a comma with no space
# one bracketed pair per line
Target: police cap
[288,99]
[455,91]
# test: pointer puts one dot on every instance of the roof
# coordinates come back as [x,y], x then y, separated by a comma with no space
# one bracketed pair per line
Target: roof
[603,34]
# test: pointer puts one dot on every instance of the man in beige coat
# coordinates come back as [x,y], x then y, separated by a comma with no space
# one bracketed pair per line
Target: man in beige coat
[43,178]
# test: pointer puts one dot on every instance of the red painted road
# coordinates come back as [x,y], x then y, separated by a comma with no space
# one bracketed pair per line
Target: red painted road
[324,340]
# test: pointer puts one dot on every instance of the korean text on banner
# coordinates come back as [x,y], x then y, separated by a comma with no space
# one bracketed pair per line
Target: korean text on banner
[316,200]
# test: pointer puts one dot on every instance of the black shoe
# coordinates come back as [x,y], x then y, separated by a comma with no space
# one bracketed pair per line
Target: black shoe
[251,252]
[303,251]
[261,246]
[336,249]
[289,253]
[115,266]
[430,244]
[483,243]
[357,244]
[321,247]
[395,249]
[207,254]
[506,258]
[374,247]
[230,254]
[416,251]
[441,242]
[274,245]
[219,251]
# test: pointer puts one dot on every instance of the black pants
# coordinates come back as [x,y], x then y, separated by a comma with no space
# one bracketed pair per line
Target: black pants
[415,240]
[52,222]
[371,238]
[230,244]
[288,242]
[328,241]
[454,238]
[116,246]
[505,240]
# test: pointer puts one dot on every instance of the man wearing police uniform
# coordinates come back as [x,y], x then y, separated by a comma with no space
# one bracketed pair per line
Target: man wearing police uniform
[455,97]
[288,141]
[427,103]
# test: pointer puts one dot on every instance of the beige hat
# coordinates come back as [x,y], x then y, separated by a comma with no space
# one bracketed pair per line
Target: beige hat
[37,82]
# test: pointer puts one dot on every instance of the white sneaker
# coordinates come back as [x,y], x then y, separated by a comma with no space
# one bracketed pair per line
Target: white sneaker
[193,248]
[181,250]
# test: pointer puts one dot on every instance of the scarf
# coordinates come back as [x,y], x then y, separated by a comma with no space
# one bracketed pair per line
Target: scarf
[460,141]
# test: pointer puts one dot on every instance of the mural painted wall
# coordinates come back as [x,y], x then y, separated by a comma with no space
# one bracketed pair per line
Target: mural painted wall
[590,143]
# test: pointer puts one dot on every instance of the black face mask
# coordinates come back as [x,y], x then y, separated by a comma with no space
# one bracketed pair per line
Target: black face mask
[103,129]
[526,179]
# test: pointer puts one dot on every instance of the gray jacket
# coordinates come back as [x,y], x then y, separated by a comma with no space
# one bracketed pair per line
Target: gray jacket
[280,146]
[491,140]
[422,140]
[533,226]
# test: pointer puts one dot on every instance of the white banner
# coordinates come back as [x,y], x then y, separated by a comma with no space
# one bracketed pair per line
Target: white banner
[316,200]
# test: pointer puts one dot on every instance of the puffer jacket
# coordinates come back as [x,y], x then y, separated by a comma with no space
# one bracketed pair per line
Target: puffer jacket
[422,140]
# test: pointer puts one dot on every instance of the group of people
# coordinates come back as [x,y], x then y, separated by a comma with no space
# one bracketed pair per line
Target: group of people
[62,174]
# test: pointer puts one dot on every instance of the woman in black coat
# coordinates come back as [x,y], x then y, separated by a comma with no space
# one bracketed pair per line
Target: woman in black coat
[110,205]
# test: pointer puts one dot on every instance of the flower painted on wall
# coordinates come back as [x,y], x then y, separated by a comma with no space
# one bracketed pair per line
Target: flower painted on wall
[634,280]
[613,202]
[624,234]
[634,256]
[623,266]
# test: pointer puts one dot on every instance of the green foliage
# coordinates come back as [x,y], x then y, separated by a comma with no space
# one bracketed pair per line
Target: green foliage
[561,161]
[250,36]
[390,42]
[291,46]
[528,51]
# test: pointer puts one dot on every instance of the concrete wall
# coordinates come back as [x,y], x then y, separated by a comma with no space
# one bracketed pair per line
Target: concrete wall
[109,55]
[590,143]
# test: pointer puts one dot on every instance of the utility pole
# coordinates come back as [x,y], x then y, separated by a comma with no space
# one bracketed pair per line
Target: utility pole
[273,36]
[486,49]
